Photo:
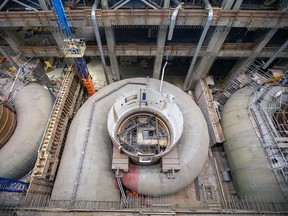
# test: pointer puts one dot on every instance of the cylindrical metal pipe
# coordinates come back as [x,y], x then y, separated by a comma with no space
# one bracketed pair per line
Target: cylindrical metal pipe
[187,82]
[173,22]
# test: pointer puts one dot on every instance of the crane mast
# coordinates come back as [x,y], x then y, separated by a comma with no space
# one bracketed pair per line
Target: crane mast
[73,47]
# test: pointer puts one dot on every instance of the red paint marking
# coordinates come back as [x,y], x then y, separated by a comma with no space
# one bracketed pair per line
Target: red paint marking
[131,179]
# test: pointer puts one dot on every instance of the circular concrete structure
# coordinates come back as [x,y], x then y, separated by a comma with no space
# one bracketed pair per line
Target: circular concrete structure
[85,169]
[145,124]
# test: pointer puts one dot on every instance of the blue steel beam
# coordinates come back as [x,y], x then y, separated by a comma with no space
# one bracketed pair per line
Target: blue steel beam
[82,67]
[62,19]
[10,185]
[64,25]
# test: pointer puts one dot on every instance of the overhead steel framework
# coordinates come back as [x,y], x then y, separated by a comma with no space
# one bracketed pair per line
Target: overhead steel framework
[229,50]
[136,17]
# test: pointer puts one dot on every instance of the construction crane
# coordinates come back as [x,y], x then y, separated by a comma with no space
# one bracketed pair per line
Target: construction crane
[74,47]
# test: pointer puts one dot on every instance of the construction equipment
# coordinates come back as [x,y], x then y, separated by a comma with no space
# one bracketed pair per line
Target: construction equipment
[73,47]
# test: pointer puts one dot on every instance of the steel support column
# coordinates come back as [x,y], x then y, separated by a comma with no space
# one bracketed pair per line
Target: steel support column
[43,4]
[161,39]
[275,55]
[25,5]
[254,54]
[149,4]
[3,4]
[257,49]
[188,81]
[117,5]
[214,46]
[110,38]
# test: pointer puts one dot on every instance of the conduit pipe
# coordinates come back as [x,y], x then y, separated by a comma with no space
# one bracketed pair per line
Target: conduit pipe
[173,21]
[187,82]
[98,39]
[162,77]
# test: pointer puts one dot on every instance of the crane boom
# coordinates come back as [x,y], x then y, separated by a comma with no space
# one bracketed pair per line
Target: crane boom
[73,47]
[62,19]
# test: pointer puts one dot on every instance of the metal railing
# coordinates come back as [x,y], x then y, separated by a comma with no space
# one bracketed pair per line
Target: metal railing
[269,99]
[15,203]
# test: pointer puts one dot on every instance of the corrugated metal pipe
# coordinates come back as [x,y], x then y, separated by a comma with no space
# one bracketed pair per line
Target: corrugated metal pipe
[98,39]
[187,82]
[173,21]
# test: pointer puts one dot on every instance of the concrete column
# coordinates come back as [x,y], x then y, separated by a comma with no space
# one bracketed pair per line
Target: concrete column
[262,42]
[110,38]
[161,39]
[214,46]
[58,36]
[43,4]
[12,38]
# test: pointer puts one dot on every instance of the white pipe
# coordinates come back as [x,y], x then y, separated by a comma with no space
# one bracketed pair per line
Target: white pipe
[173,21]
[162,76]
[187,82]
